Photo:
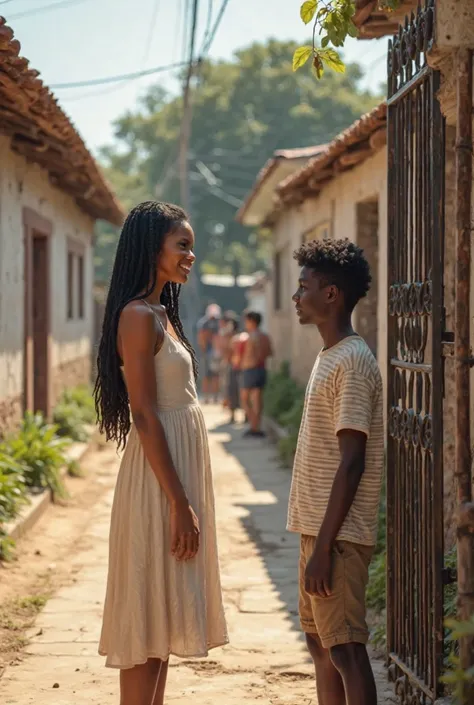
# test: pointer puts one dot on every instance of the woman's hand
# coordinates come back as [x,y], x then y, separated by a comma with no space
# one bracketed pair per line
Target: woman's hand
[184,532]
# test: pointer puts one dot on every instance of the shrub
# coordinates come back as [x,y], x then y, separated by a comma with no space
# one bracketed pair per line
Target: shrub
[40,452]
[12,497]
[284,401]
[82,398]
[12,487]
[69,421]
[458,679]
[281,393]
[75,410]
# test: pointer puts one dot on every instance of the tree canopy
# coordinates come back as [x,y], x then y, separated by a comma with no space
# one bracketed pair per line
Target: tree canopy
[243,110]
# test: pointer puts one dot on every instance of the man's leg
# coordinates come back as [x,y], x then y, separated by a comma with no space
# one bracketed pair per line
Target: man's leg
[341,621]
[329,685]
[256,400]
[353,664]
[245,403]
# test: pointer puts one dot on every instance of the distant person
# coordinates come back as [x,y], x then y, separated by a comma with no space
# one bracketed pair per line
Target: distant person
[337,474]
[208,329]
[234,361]
[257,350]
[163,588]
[222,342]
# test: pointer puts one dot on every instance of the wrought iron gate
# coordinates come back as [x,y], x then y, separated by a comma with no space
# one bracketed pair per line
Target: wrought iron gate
[416,147]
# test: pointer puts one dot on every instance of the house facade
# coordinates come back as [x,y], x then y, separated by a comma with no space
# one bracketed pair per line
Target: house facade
[409,204]
[51,194]
[339,192]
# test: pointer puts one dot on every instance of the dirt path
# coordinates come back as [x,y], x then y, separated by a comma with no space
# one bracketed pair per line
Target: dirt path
[266,661]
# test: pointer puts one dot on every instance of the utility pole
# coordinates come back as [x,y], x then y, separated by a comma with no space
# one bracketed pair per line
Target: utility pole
[191,296]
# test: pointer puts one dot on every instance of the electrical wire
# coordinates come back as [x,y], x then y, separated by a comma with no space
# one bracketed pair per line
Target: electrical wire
[151,30]
[45,8]
[114,79]
[207,31]
[220,15]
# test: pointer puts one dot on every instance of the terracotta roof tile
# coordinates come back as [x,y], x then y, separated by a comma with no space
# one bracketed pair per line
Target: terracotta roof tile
[353,146]
[42,133]
[271,164]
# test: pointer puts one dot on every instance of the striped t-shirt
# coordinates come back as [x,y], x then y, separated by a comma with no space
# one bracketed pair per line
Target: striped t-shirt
[344,392]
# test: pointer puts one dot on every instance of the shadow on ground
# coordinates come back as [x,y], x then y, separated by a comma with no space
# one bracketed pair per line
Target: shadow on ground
[265,522]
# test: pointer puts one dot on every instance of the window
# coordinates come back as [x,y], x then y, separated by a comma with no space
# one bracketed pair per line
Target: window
[75,281]
[80,284]
[70,285]
[321,231]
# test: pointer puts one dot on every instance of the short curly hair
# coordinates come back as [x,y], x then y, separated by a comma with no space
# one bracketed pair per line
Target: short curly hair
[342,263]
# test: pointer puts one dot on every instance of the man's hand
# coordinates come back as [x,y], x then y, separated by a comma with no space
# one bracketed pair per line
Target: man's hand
[318,575]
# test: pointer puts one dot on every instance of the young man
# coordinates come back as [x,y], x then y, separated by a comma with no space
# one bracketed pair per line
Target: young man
[337,474]
[254,375]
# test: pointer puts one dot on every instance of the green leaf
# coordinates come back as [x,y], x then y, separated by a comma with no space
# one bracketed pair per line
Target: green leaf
[332,60]
[324,42]
[308,10]
[301,56]
[352,30]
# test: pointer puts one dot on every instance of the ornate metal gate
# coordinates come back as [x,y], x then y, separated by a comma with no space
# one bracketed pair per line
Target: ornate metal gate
[415,381]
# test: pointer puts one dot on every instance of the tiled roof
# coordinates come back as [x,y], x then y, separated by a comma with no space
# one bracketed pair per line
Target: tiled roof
[360,141]
[374,22]
[42,133]
[270,166]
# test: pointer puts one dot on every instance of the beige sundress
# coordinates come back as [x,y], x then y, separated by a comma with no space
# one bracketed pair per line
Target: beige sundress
[156,606]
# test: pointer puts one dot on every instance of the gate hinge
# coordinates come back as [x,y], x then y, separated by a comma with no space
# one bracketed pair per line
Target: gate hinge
[449,576]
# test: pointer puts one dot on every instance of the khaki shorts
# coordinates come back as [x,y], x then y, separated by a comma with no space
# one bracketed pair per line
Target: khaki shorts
[340,618]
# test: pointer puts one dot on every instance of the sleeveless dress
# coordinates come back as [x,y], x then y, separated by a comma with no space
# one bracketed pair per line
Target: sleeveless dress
[156,606]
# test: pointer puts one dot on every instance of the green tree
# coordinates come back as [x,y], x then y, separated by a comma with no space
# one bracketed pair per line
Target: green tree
[243,110]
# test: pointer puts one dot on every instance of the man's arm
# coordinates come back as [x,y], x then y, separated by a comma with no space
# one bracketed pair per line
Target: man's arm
[353,411]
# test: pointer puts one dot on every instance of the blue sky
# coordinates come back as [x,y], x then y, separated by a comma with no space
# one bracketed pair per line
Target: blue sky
[94,38]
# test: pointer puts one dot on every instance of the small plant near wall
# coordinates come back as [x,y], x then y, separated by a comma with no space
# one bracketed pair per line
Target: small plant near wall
[74,412]
[41,453]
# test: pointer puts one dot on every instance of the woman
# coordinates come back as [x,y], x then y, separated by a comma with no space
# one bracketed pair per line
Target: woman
[163,590]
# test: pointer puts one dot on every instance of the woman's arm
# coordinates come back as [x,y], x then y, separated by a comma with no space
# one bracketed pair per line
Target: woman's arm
[139,336]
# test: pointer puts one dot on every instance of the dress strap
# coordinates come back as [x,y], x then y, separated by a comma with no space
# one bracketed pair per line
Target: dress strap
[155,314]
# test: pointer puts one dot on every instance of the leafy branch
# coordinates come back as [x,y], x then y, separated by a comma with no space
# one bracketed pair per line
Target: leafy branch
[333,23]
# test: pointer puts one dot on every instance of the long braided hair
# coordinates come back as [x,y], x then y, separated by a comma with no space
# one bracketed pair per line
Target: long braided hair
[133,277]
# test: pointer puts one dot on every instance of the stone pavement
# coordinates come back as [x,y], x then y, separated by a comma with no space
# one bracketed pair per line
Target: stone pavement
[266,661]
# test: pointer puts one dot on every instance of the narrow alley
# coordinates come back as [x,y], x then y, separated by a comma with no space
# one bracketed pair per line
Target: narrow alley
[266,661]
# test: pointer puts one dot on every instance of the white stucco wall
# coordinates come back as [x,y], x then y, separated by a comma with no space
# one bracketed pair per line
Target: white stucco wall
[26,185]
[336,203]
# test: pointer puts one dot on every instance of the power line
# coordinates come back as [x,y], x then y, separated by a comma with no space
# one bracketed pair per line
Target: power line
[207,31]
[121,77]
[45,8]
[220,15]
[154,17]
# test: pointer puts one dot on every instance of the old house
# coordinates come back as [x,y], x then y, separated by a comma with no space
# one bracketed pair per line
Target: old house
[413,201]
[51,194]
[339,192]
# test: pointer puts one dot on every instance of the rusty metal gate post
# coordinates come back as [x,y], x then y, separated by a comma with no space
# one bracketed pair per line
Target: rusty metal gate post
[465,529]
[415,550]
